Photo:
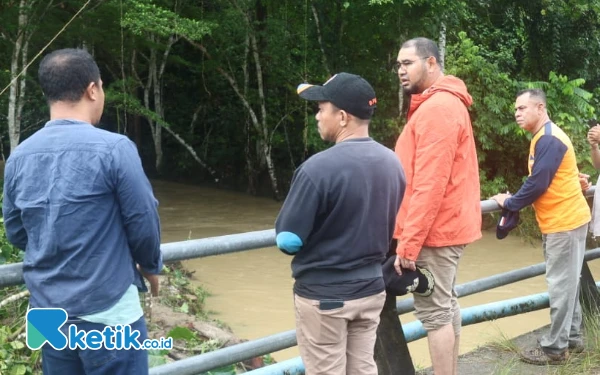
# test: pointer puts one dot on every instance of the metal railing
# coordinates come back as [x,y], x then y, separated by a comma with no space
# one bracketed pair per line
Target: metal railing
[12,275]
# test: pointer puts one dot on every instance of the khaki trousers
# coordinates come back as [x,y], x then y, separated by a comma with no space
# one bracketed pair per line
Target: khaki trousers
[339,341]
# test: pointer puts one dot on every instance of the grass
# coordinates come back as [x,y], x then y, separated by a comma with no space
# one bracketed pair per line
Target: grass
[587,362]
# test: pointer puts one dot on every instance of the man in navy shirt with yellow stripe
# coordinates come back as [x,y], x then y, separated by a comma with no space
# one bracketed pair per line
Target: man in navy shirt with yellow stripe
[553,188]
[338,221]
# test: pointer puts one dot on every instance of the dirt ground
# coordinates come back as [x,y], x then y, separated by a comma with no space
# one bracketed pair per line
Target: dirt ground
[161,319]
[490,360]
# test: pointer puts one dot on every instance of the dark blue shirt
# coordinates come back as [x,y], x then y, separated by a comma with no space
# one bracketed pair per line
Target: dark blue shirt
[76,199]
[342,208]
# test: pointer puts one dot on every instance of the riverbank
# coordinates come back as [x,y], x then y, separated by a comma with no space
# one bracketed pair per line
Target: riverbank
[179,312]
[501,357]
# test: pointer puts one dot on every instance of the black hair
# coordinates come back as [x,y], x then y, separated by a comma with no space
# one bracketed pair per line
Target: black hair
[65,74]
[538,94]
[424,47]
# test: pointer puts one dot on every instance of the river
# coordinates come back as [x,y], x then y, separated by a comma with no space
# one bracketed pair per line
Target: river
[251,291]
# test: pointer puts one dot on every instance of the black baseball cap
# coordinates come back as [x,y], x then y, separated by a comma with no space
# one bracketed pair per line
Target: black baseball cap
[508,221]
[346,91]
[420,281]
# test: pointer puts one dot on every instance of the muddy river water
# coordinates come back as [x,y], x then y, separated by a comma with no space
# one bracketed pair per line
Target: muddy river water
[252,291]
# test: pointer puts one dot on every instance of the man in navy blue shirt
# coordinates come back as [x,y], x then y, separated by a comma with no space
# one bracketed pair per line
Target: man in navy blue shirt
[76,199]
[338,221]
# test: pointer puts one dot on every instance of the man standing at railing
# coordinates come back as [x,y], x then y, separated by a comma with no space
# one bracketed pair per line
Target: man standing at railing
[78,202]
[441,212]
[338,221]
[594,141]
[554,189]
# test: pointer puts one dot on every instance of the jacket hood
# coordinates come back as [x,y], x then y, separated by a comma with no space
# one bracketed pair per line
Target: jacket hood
[451,84]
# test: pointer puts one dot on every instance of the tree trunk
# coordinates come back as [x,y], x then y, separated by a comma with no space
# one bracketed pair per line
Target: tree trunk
[442,44]
[147,86]
[266,147]
[22,85]
[320,39]
[158,109]
[248,150]
[17,82]
[259,125]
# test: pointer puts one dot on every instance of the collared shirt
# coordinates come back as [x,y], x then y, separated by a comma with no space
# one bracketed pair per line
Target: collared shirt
[76,199]
[553,186]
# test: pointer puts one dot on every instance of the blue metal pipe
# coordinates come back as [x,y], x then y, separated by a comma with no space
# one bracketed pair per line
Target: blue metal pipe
[292,366]
[232,354]
[482,313]
[414,330]
[12,274]
[407,305]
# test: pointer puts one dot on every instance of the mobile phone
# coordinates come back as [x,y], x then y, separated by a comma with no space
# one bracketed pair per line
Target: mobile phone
[330,304]
[593,122]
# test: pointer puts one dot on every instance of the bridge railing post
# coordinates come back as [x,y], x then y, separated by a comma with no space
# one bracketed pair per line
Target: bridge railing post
[588,293]
[391,350]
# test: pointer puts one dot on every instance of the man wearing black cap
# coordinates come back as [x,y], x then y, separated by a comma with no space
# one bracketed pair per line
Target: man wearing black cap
[337,222]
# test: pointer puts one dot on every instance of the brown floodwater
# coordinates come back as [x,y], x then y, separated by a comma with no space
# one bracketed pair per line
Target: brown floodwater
[251,291]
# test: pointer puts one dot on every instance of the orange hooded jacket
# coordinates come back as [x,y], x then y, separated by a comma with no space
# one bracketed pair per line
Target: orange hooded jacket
[441,206]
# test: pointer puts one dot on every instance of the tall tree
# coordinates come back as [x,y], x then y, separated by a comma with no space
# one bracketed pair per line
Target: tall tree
[28,14]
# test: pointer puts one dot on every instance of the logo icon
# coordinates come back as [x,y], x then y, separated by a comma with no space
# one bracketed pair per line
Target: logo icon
[43,325]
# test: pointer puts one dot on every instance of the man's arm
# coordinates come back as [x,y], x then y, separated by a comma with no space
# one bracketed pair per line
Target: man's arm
[436,145]
[15,232]
[138,207]
[297,216]
[593,139]
[549,153]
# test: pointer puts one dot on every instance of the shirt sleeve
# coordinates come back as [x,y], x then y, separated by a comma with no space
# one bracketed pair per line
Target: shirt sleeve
[295,221]
[436,144]
[549,153]
[139,208]
[13,225]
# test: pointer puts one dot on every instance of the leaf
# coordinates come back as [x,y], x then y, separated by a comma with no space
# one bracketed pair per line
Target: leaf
[19,369]
[185,308]
[155,358]
[17,345]
[181,333]
[227,370]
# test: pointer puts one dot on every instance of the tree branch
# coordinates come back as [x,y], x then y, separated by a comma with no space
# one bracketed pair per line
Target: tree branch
[319,38]
[232,83]
[14,297]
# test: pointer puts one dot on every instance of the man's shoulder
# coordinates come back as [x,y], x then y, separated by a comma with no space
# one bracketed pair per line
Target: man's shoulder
[345,155]
[444,100]
[316,160]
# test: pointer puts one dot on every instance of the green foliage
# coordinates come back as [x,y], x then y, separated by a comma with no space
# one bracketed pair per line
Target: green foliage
[570,106]
[8,253]
[15,357]
[183,296]
[157,357]
[226,370]
[182,333]
[496,47]
[143,16]
[500,142]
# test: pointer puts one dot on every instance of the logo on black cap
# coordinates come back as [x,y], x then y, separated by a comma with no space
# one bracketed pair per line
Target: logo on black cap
[346,91]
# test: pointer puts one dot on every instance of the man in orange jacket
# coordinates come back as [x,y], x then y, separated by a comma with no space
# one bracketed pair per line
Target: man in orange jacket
[441,210]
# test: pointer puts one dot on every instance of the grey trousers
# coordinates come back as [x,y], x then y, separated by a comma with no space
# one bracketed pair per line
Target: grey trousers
[564,253]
